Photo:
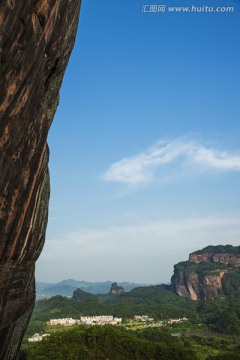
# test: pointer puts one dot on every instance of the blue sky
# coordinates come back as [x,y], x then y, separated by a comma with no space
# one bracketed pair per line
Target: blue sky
[145,151]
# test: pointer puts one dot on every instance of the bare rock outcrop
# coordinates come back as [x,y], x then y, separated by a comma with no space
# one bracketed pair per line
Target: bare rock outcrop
[36,39]
[209,273]
[116,289]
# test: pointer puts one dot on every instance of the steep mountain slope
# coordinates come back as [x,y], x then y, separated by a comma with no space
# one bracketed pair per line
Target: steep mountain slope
[209,273]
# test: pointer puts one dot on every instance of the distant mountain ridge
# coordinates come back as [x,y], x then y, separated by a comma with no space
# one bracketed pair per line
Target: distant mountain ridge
[67,287]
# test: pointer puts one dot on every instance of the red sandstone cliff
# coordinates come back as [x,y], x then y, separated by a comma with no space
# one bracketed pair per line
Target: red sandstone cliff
[208,274]
[36,39]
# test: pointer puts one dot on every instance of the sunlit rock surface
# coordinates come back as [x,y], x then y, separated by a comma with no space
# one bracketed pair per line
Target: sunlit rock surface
[209,273]
[36,39]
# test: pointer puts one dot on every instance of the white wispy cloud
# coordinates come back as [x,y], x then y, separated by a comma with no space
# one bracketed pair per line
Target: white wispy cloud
[141,168]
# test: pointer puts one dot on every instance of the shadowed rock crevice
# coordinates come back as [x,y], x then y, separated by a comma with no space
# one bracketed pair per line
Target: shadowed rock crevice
[36,39]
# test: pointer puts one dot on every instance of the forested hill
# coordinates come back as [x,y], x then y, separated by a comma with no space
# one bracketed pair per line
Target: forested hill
[116,343]
[110,343]
[158,301]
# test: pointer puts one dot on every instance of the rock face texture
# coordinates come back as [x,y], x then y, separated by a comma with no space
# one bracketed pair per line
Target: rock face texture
[209,273]
[36,39]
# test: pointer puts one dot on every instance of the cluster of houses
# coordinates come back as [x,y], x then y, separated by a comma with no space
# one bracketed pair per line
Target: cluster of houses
[101,320]
[88,320]
[146,318]
[176,321]
[106,320]
[149,323]
[63,321]
[142,318]
[36,337]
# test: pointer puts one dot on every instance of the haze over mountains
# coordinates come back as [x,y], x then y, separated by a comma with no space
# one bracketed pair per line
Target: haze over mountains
[209,273]
[67,287]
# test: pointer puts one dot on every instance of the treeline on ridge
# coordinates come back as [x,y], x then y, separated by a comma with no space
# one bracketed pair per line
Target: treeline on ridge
[108,342]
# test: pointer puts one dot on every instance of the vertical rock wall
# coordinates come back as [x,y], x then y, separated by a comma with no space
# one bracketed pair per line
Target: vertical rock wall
[36,39]
[209,273]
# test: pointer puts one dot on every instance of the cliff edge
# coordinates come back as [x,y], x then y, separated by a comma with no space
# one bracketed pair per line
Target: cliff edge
[209,273]
[36,39]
